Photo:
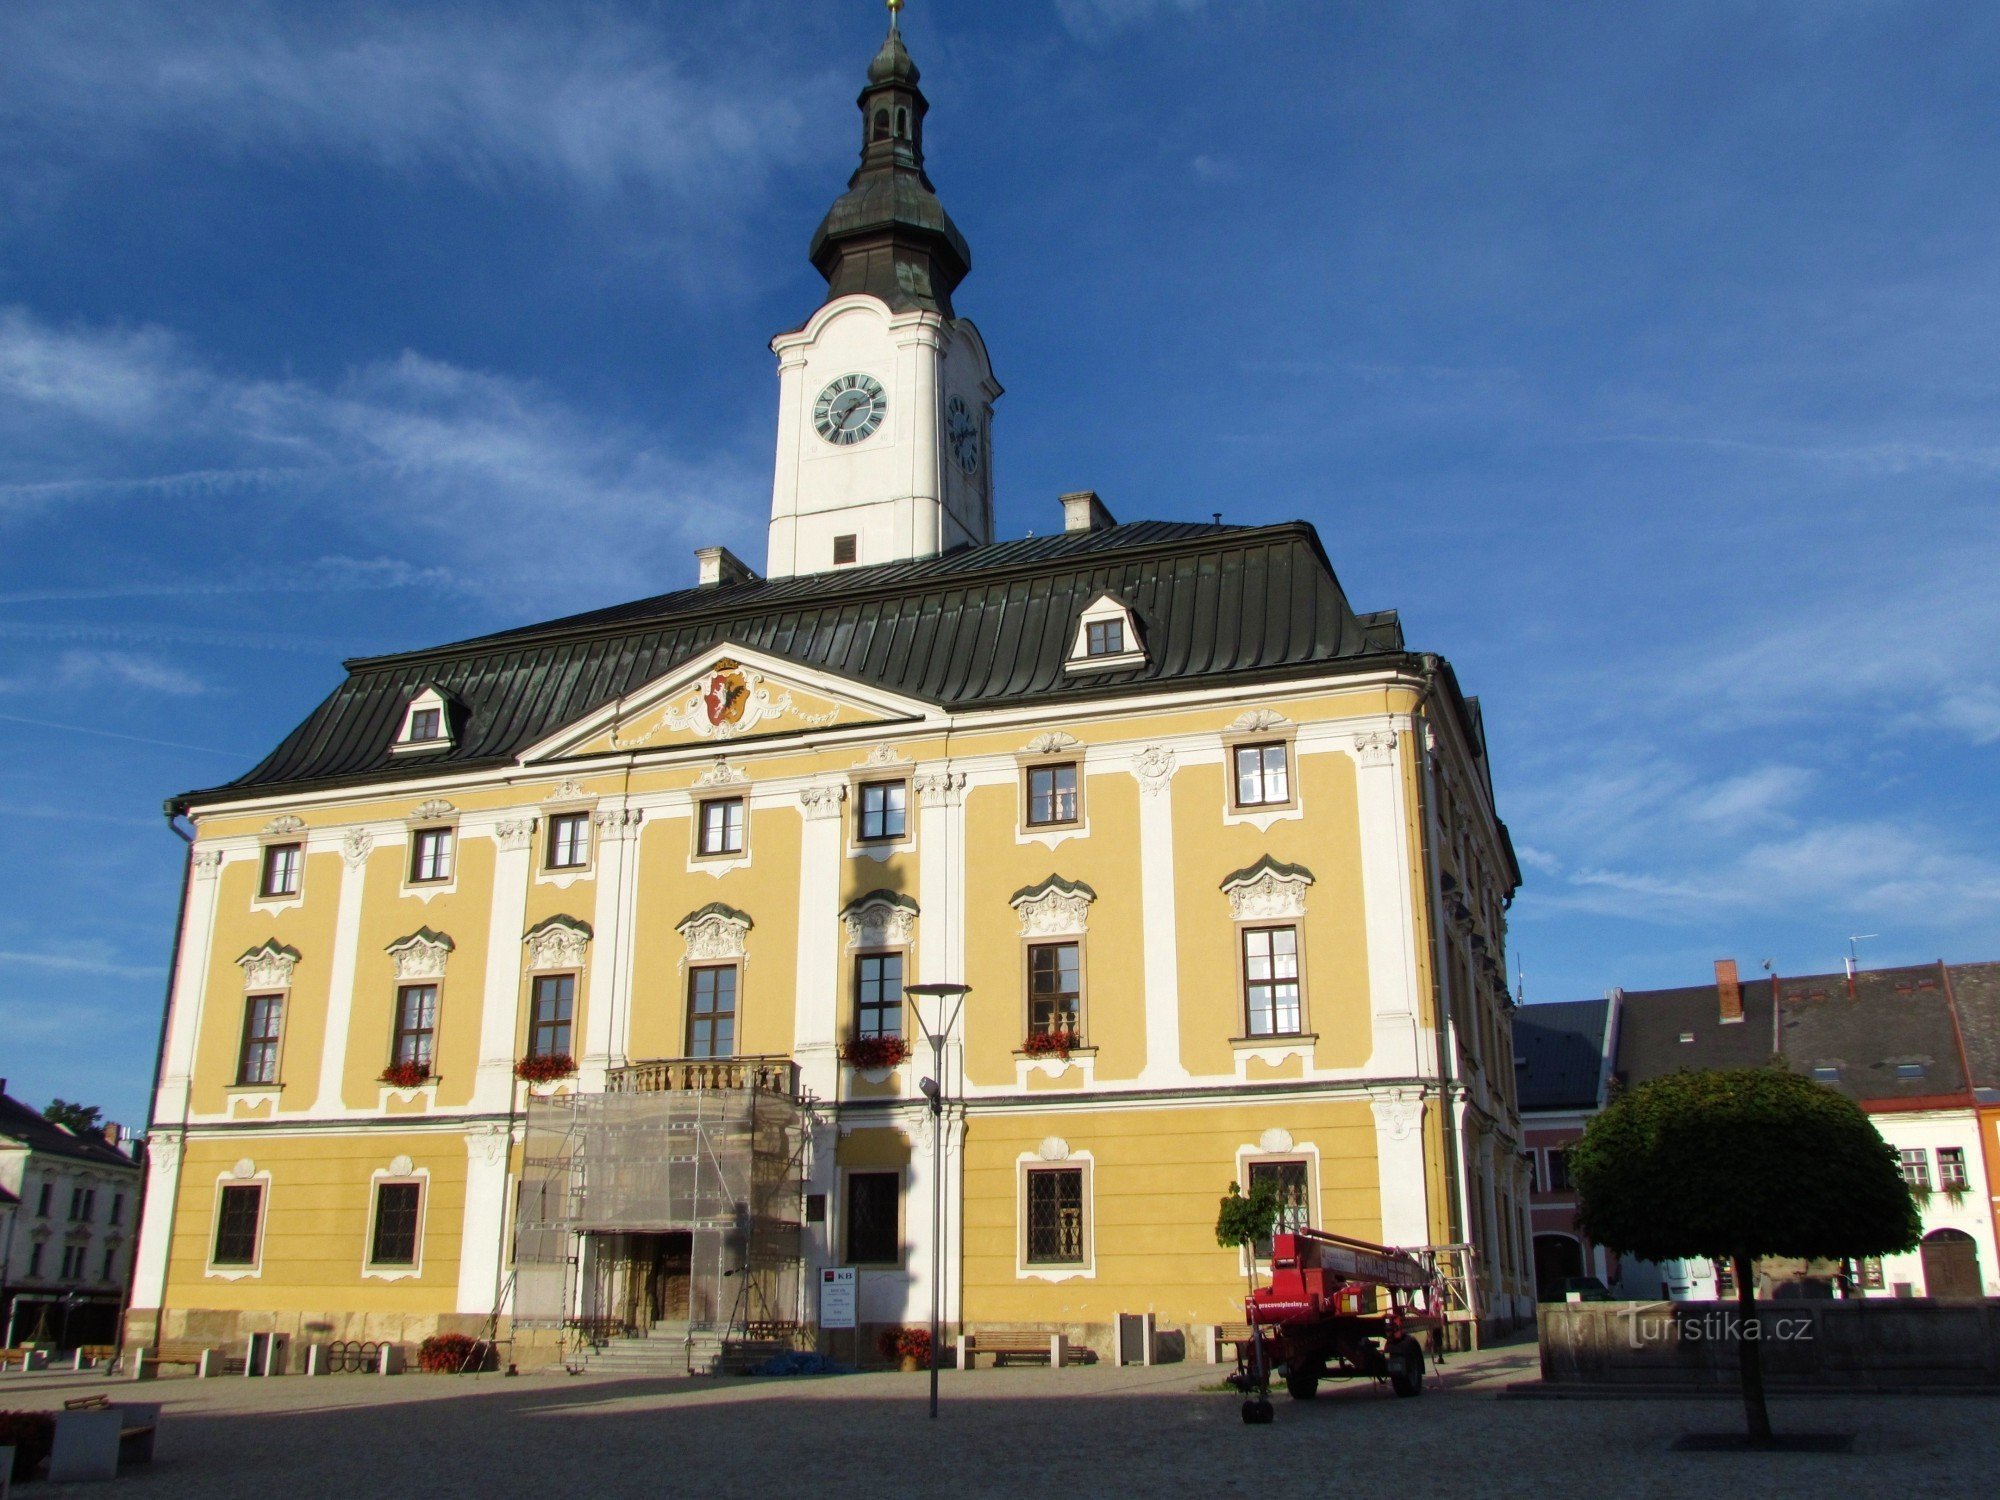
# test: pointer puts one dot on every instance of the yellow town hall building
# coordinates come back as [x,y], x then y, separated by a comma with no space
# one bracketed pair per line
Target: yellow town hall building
[553,982]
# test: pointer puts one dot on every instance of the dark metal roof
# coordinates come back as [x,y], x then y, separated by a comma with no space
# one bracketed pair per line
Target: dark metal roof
[19,1122]
[976,627]
[1561,1052]
[1885,1035]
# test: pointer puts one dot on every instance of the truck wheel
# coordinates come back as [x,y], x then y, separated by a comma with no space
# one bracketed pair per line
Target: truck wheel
[1257,1411]
[1406,1368]
[1302,1387]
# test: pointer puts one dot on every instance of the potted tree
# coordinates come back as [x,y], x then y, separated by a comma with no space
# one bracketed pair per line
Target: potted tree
[909,1347]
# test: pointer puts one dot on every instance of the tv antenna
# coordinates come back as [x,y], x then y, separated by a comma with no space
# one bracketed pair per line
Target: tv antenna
[1854,952]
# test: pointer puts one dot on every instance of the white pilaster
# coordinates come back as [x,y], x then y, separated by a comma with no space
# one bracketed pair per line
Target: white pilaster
[1388,912]
[1399,1158]
[499,1011]
[190,985]
[486,1183]
[1154,768]
[616,828]
[813,1021]
[149,1260]
[356,845]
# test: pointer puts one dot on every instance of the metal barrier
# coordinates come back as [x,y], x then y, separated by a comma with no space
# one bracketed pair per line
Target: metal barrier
[353,1357]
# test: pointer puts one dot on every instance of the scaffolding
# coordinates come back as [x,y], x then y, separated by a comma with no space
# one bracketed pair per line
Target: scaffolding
[670,1200]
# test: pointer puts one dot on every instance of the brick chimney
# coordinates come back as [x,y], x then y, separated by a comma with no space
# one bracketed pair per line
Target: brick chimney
[111,1129]
[1728,990]
[719,565]
[1083,511]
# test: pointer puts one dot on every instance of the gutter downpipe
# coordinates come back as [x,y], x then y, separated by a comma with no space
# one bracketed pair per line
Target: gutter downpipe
[174,815]
[1452,1109]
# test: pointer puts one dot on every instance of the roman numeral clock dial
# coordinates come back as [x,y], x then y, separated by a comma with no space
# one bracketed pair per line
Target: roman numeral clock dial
[850,409]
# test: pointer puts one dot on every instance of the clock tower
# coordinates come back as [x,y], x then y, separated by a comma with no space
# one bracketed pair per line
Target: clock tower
[885,395]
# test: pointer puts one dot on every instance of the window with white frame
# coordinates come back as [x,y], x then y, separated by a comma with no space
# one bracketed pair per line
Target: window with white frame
[1052,794]
[283,864]
[878,995]
[415,1042]
[1055,1227]
[263,1022]
[569,841]
[553,1005]
[1271,981]
[1107,637]
[430,856]
[881,811]
[1261,774]
[426,724]
[1290,1183]
[1951,1169]
[1055,988]
[398,1213]
[239,1212]
[1916,1163]
[712,1011]
[720,829]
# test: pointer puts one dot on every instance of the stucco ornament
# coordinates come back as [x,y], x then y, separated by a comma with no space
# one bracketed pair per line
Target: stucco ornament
[1055,908]
[163,1154]
[488,1145]
[721,773]
[1377,749]
[431,811]
[269,966]
[1275,1140]
[355,846]
[207,863]
[244,1169]
[1267,890]
[568,790]
[1257,720]
[285,823]
[1053,1148]
[558,943]
[822,801]
[421,955]
[1052,743]
[401,1166]
[616,823]
[941,788]
[880,757]
[727,700]
[880,919]
[513,833]
[714,932]
[1398,1115]
[1154,766]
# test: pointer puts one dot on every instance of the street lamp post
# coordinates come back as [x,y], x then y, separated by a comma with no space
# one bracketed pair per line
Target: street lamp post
[933,1087]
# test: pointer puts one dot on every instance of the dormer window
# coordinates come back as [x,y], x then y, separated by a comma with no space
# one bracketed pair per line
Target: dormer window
[426,724]
[1107,638]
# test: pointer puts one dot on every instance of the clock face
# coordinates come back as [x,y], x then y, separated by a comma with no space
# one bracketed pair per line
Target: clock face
[850,409]
[962,428]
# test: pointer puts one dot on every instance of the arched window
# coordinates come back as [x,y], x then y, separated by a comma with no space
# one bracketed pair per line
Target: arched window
[902,123]
[881,125]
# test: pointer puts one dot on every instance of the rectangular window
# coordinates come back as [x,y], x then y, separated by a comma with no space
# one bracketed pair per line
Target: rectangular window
[554,1002]
[1055,1216]
[1262,777]
[1951,1169]
[878,994]
[75,1204]
[1052,794]
[874,1235]
[712,1011]
[1916,1166]
[263,1017]
[1104,637]
[35,1259]
[1055,987]
[282,863]
[1871,1273]
[1271,980]
[883,810]
[430,856]
[118,1208]
[42,1202]
[1725,1279]
[110,1260]
[396,1206]
[236,1224]
[89,1204]
[1289,1180]
[569,841]
[844,549]
[426,724]
[416,1025]
[72,1256]
[1558,1169]
[722,826]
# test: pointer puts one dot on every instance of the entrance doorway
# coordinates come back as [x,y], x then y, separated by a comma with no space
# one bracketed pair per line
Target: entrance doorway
[1557,1258]
[644,1279]
[1951,1265]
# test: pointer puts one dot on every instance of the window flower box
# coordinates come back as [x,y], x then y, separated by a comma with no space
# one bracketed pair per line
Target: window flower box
[546,1068]
[408,1075]
[1056,1043]
[868,1052]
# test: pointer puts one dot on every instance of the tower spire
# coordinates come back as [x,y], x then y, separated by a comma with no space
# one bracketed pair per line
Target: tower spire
[888,235]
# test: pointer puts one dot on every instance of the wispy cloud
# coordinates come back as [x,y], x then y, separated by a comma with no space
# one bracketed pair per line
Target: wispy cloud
[1100,20]
[78,963]
[573,97]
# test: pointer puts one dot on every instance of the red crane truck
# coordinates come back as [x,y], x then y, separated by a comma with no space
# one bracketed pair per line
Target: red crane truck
[1337,1308]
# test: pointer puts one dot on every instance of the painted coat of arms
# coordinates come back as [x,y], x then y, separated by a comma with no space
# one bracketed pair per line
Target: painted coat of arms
[730,699]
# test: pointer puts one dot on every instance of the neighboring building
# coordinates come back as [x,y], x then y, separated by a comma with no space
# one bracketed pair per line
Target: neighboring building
[1900,1043]
[1562,1060]
[1217,856]
[66,1244]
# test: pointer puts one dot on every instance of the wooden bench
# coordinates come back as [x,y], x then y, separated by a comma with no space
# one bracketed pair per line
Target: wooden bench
[205,1359]
[1050,1347]
[26,1361]
[1227,1342]
[92,1442]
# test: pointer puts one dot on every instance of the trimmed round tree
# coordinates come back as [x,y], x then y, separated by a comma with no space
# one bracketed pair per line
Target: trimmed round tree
[1733,1166]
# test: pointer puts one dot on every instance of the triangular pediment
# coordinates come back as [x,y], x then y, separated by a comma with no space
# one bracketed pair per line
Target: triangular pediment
[726,695]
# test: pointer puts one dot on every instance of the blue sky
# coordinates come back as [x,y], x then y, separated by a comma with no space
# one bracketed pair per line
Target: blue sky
[1643,357]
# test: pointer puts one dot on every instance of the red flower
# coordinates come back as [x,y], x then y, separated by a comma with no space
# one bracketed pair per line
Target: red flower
[1052,1043]
[545,1068]
[406,1075]
[874,1051]
[904,1343]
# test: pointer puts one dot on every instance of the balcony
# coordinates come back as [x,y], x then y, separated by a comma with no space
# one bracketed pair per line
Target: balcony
[687,1075]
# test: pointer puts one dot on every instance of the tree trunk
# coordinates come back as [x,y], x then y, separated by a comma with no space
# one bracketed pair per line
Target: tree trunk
[1750,1351]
